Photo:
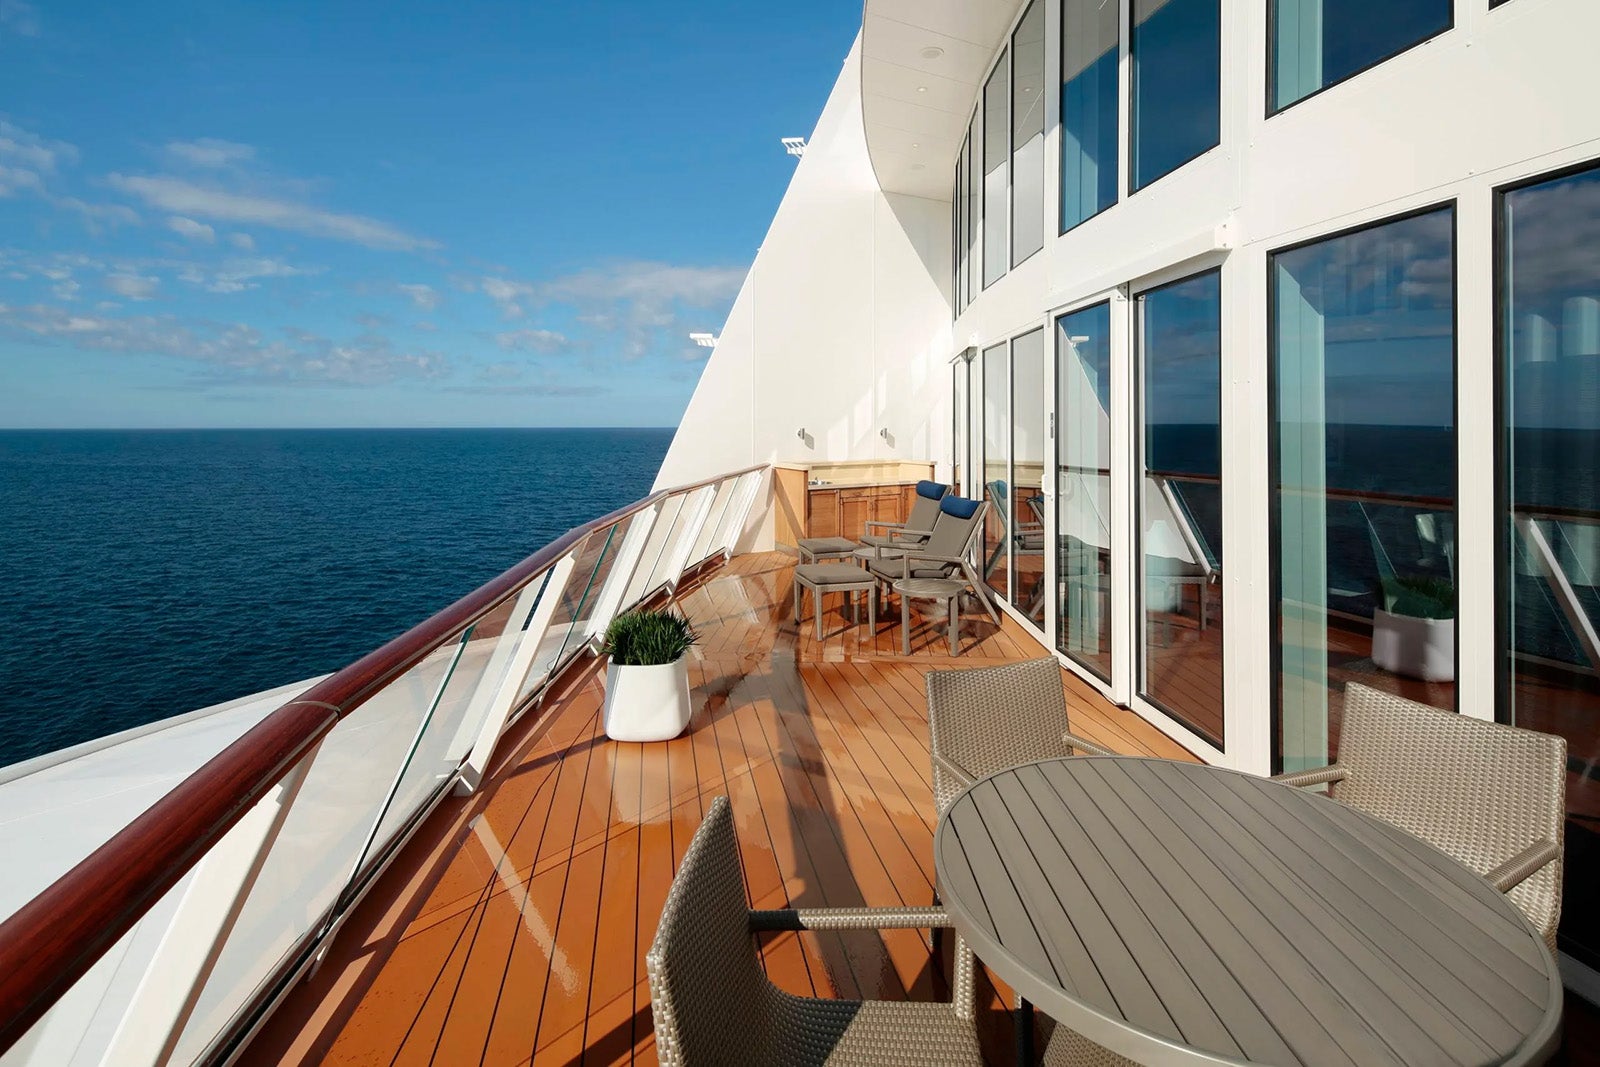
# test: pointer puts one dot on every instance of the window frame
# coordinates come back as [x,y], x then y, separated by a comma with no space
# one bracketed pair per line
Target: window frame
[1272,60]
[1132,186]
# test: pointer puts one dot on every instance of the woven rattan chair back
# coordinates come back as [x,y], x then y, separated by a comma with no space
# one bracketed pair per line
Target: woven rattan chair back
[707,990]
[1480,791]
[986,719]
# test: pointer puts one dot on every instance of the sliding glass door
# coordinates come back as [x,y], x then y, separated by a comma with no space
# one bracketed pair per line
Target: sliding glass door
[1179,500]
[1083,487]
[996,465]
[1362,423]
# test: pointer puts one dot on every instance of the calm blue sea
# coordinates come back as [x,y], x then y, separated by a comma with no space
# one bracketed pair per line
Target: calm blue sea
[144,574]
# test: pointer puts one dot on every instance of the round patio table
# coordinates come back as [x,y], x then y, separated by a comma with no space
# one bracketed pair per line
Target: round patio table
[1180,914]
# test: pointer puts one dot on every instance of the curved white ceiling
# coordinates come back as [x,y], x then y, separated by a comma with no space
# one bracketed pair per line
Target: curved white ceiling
[915,108]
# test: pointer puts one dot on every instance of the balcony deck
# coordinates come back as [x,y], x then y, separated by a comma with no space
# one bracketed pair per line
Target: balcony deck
[514,926]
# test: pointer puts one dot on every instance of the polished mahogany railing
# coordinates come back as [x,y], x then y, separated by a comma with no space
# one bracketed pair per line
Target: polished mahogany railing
[620,559]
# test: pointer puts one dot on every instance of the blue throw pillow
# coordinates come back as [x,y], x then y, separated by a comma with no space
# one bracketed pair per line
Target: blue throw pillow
[959,506]
[932,490]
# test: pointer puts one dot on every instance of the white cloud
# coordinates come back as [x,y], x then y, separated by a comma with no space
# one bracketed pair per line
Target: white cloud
[182,197]
[425,297]
[133,286]
[242,241]
[210,152]
[27,149]
[190,229]
[19,18]
[238,273]
[14,179]
[546,342]
[640,302]
[233,352]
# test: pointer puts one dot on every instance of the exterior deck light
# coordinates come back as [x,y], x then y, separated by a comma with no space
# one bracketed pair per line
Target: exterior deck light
[704,340]
[795,146]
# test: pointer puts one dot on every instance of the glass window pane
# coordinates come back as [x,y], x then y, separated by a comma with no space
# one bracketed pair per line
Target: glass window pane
[1027,135]
[1025,498]
[1319,42]
[1180,501]
[1363,359]
[1550,543]
[1176,46]
[1088,109]
[971,194]
[996,442]
[1083,486]
[996,138]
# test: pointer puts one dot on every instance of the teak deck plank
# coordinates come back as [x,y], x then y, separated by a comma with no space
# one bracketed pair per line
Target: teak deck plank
[513,927]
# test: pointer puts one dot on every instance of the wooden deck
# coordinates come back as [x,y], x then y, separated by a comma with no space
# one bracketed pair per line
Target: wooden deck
[514,926]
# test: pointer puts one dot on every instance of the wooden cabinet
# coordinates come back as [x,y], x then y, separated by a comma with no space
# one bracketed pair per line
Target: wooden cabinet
[845,511]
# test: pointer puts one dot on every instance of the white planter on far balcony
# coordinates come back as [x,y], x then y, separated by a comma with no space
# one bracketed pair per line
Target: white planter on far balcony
[647,703]
[1416,648]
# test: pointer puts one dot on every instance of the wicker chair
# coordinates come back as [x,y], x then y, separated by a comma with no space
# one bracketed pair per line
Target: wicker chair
[984,720]
[713,1005]
[1492,796]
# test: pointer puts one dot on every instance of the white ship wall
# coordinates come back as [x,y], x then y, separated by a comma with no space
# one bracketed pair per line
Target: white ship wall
[842,327]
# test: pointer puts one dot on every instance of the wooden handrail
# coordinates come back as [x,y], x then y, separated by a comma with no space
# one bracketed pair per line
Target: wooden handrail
[51,941]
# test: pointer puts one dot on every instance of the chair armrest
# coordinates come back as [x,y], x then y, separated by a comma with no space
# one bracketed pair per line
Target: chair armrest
[848,919]
[962,776]
[1300,779]
[928,557]
[1073,741]
[1524,865]
[887,525]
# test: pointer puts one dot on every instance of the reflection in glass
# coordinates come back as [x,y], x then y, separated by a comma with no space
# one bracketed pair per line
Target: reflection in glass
[1319,42]
[958,419]
[1550,540]
[996,441]
[1083,486]
[1024,495]
[1176,47]
[1027,135]
[1088,109]
[1180,501]
[996,147]
[971,194]
[1363,361]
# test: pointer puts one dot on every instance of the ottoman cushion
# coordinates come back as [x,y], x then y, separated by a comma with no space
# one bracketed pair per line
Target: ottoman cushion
[823,574]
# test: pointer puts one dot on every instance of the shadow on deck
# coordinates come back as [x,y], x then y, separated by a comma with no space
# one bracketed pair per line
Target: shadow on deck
[514,925]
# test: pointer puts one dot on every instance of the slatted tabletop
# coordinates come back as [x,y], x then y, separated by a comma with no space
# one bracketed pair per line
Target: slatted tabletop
[1180,914]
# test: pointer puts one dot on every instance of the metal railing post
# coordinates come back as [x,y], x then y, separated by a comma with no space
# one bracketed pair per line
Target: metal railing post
[623,571]
[155,1016]
[494,721]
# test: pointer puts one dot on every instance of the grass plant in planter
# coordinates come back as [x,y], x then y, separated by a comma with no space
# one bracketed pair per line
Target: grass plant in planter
[1414,632]
[647,680]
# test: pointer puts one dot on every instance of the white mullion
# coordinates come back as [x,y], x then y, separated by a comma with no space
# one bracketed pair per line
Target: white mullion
[1122,541]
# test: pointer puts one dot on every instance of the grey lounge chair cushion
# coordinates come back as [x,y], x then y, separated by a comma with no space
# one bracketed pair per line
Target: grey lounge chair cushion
[831,574]
[827,544]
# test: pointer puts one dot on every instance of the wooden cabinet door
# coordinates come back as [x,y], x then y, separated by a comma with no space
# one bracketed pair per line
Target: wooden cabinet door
[824,517]
[855,506]
[886,506]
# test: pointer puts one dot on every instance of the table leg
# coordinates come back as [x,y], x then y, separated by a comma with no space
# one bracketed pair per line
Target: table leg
[955,627]
[816,604]
[905,624]
[872,611]
[1024,1024]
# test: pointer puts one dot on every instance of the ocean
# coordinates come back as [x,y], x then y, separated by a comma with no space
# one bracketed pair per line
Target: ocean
[144,574]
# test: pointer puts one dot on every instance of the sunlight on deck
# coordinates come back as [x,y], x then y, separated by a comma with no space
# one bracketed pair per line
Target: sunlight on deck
[515,924]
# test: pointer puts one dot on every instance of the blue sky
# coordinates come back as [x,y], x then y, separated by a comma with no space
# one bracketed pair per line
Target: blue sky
[362,214]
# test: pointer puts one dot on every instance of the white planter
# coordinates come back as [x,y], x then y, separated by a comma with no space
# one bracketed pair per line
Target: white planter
[1416,648]
[647,703]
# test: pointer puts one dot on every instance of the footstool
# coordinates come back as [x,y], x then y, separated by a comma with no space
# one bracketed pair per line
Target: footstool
[815,548]
[946,589]
[823,578]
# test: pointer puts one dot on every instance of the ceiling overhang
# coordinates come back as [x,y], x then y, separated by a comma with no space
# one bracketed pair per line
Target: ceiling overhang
[922,65]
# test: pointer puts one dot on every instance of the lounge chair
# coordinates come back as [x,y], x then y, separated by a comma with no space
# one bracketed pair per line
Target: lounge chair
[713,1005]
[946,553]
[918,524]
[1492,796]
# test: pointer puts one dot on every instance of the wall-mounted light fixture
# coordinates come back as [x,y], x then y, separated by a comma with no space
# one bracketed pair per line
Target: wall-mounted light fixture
[801,433]
[795,146]
[884,433]
[704,340]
